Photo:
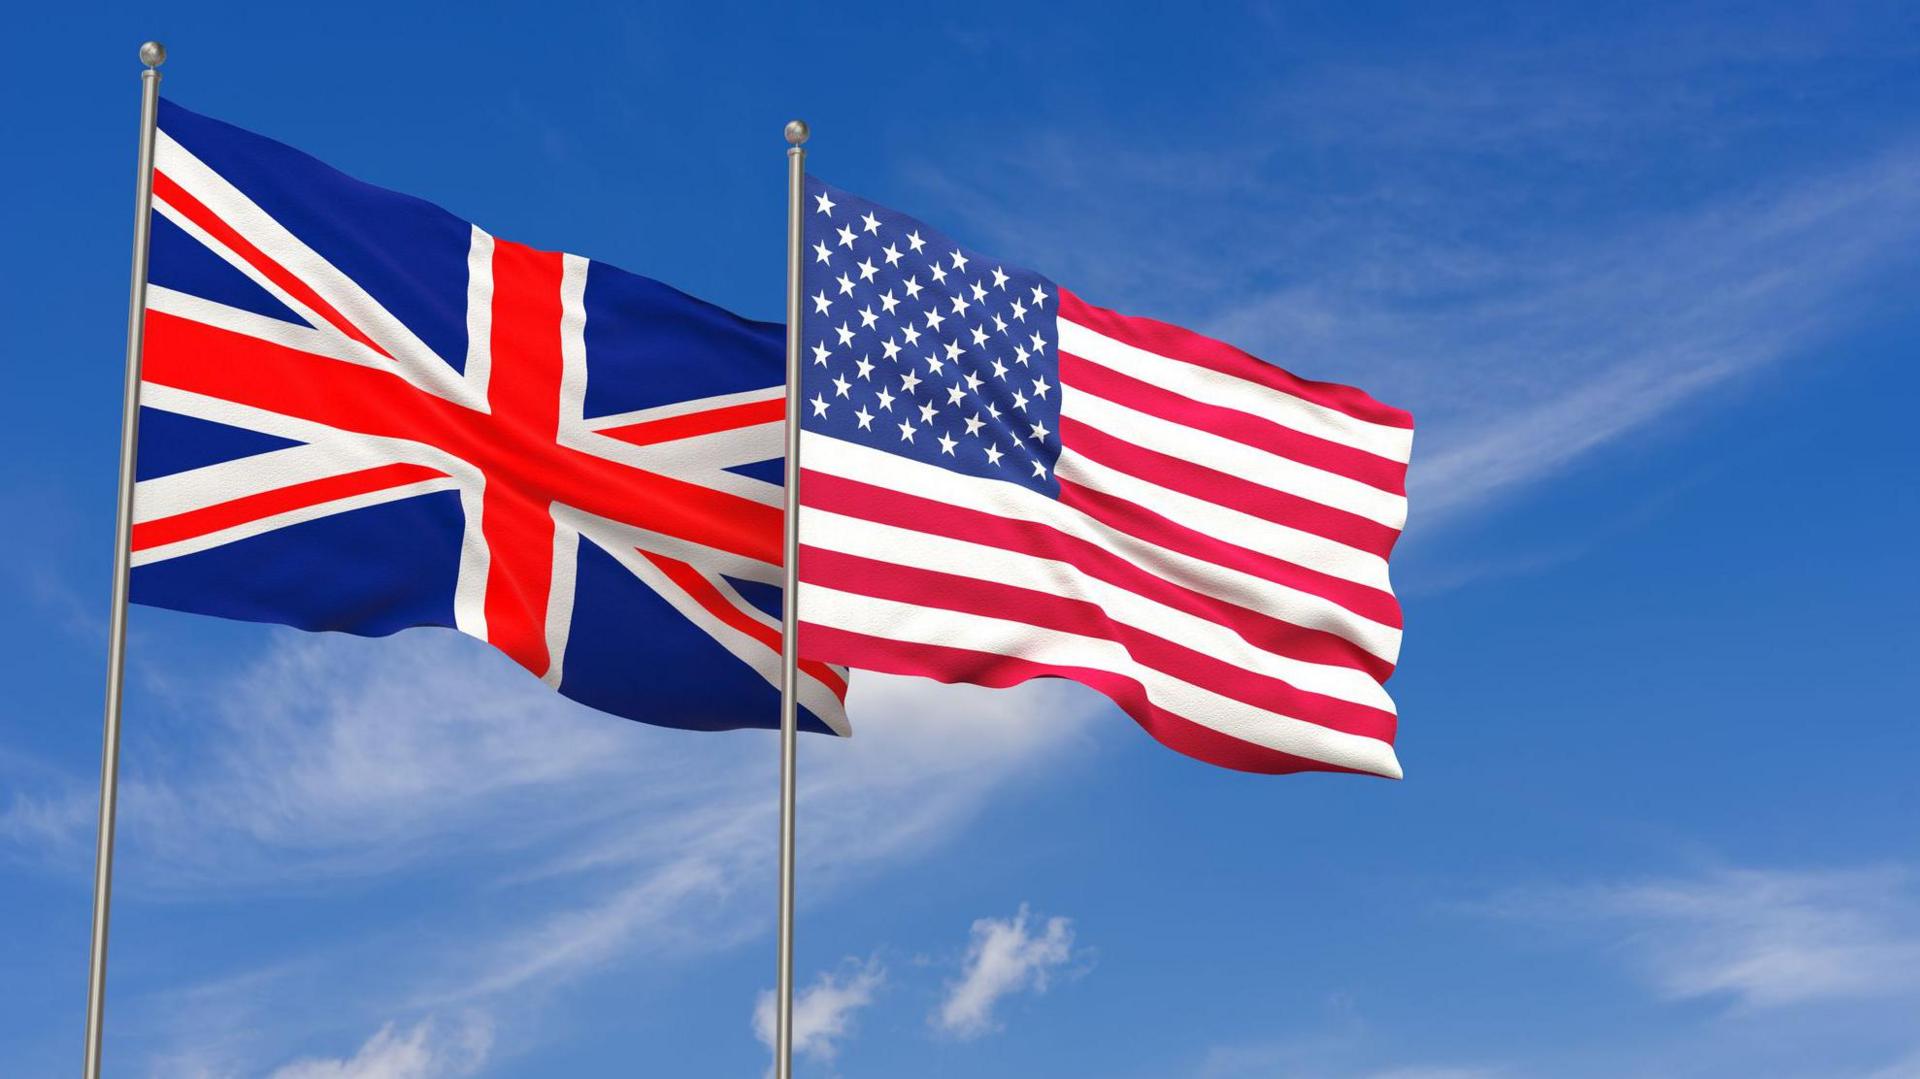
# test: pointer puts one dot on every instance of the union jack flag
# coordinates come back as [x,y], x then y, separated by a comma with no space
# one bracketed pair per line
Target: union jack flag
[361,413]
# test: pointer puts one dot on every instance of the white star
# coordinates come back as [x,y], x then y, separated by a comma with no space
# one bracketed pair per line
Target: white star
[1040,388]
[866,368]
[888,302]
[909,381]
[892,253]
[846,284]
[821,252]
[934,364]
[1039,296]
[865,418]
[821,303]
[999,324]
[1039,431]
[892,350]
[960,304]
[1020,400]
[979,336]
[819,404]
[846,236]
[953,350]
[999,369]
[947,444]
[912,335]
[825,203]
[867,269]
[993,455]
[1019,311]
[1020,355]
[1039,471]
[978,292]
[906,431]
[914,241]
[926,412]
[841,385]
[886,399]
[913,288]
[870,222]
[973,382]
[820,354]
[974,424]
[934,319]
[939,274]
[993,410]
[959,261]
[867,317]
[846,335]
[1039,344]
[999,279]
[955,395]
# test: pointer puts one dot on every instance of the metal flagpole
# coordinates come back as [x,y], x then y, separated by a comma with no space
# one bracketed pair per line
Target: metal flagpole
[152,54]
[790,598]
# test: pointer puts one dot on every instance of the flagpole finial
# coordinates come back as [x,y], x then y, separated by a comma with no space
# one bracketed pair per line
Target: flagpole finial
[153,54]
[796,132]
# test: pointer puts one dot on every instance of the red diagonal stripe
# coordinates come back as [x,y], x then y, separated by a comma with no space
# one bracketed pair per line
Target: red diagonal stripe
[239,511]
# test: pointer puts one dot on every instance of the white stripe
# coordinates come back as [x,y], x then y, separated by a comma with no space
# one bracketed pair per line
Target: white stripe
[314,512]
[998,636]
[210,485]
[566,564]
[1234,458]
[682,408]
[305,339]
[478,370]
[1304,549]
[906,547]
[1208,386]
[824,453]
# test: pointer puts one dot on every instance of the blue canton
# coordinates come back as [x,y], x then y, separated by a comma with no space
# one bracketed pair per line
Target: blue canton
[926,349]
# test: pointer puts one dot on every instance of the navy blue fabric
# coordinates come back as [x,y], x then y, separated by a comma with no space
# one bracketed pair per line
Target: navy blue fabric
[377,570]
[909,322]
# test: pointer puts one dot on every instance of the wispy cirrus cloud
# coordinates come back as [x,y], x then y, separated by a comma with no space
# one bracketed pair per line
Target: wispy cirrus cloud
[427,1050]
[350,763]
[1754,938]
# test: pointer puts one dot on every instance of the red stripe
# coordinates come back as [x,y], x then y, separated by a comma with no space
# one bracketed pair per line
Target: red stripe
[730,418]
[1171,341]
[1142,523]
[703,592]
[239,511]
[1243,427]
[988,669]
[1231,492]
[197,212]
[1313,644]
[993,599]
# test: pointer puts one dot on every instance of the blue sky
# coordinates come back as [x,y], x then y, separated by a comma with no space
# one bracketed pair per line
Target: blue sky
[1646,278]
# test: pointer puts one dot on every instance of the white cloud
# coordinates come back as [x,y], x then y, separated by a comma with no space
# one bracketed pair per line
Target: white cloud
[823,1012]
[1763,939]
[1004,957]
[423,1052]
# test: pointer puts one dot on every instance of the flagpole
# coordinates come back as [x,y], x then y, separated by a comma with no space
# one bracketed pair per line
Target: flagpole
[152,54]
[790,597]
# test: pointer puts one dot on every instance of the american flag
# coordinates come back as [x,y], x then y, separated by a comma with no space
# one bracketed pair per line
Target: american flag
[1001,482]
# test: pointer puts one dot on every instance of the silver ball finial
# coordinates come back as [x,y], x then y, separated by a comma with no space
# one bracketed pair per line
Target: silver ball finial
[796,132]
[153,54]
